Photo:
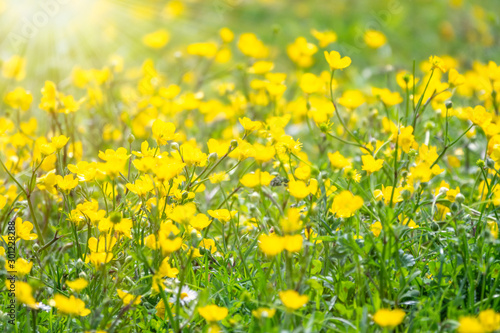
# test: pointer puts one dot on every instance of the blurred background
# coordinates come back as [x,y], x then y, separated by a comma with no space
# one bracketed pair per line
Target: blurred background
[55,35]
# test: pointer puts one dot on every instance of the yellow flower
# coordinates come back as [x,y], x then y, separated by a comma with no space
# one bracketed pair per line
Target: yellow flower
[376,228]
[272,244]
[338,161]
[200,222]
[437,62]
[351,99]
[470,324]
[293,243]
[170,245]
[490,320]
[223,215]
[59,141]
[167,270]
[219,177]
[336,61]
[163,132]
[128,299]
[78,284]
[345,204]
[261,67]
[324,38]
[19,99]
[100,258]
[207,50]
[298,188]
[156,39]
[69,306]
[301,52]
[23,230]
[14,68]
[226,35]
[142,186]
[251,46]
[263,313]
[67,183]
[22,267]
[374,39]
[370,164]
[249,125]
[256,178]
[213,313]
[24,293]
[292,299]
[389,318]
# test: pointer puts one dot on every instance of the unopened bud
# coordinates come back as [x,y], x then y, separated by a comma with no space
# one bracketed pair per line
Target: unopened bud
[480,163]
[234,144]
[490,163]
[448,104]
[213,157]
[174,146]
[459,198]
[454,207]
[254,197]
[131,138]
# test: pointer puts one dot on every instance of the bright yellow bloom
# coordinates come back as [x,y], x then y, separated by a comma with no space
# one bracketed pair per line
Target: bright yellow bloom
[292,299]
[200,222]
[128,299]
[24,293]
[223,215]
[389,318]
[156,39]
[336,61]
[490,320]
[78,284]
[256,178]
[19,99]
[14,68]
[470,324]
[370,164]
[213,313]
[298,188]
[67,183]
[69,306]
[249,125]
[374,39]
[22,267]
[345,204]
[163,132]
[272,244]
[23,230]
[324,38]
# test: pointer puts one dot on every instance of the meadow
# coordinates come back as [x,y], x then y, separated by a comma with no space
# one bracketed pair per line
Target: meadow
[249,166]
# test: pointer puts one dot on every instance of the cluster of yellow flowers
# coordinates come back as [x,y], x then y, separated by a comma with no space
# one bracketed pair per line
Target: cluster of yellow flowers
[190,172]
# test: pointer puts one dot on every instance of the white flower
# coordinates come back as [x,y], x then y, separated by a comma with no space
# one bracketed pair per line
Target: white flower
[186,296]
[43,307]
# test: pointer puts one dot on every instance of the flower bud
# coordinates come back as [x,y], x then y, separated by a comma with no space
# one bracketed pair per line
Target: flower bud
[480,163]
[83,275]
[254,197]
[131,138]
[459,198]
[406,194]
[213,157]
[490,163]
[448,104]
[115,217]
[234,144]
[454,207]
[174,146]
